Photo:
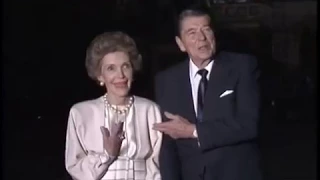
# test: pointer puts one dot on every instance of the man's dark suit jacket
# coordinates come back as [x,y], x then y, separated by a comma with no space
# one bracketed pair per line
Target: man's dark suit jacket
[227,134]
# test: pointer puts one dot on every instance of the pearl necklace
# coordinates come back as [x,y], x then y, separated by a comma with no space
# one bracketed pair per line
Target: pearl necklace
[123,111]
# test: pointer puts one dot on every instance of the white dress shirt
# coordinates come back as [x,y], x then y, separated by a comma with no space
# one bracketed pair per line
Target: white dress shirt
[195,80]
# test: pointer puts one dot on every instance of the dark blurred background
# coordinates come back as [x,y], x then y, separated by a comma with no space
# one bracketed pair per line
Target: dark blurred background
[43,52]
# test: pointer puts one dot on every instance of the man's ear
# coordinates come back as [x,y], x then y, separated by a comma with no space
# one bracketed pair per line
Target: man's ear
[180,44]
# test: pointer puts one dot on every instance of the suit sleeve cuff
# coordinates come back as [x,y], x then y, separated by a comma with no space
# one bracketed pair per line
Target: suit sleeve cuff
[195,133]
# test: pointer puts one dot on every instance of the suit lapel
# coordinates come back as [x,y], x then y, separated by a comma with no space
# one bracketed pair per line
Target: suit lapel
[218,76]
[186,93]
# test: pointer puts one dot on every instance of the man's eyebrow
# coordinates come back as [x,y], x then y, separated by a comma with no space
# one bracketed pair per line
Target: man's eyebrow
[190,29]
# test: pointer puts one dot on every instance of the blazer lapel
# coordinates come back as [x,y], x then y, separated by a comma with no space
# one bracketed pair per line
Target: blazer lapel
[218,76]
[186,93]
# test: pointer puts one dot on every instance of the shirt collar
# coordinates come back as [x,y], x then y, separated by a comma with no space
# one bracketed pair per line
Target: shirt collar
[194,69]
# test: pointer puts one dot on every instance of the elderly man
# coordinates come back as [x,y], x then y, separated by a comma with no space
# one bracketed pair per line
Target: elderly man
[211,108]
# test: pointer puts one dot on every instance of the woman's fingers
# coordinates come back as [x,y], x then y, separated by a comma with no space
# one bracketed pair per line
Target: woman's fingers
[117,129]
[105,131]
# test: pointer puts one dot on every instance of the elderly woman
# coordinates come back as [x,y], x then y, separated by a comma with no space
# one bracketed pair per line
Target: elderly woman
[111,137]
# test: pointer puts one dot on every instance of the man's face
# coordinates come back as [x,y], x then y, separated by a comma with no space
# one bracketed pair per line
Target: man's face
[197,38]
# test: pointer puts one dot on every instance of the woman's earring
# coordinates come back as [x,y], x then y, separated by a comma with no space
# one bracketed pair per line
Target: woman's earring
[101,83]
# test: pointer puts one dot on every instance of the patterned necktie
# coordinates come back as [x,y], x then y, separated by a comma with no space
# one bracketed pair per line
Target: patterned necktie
[201,93]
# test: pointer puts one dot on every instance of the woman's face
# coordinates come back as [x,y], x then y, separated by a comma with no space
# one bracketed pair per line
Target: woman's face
[116,73]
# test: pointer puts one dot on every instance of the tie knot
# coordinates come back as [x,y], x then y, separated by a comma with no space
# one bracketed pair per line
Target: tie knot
[203,72]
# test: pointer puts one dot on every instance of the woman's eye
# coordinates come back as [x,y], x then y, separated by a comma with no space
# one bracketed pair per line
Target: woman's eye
[110,68]
[127,66]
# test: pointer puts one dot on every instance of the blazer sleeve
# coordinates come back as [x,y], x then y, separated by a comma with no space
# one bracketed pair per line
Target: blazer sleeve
[153,171]
[80,164]
[168,158]
[241,125]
